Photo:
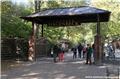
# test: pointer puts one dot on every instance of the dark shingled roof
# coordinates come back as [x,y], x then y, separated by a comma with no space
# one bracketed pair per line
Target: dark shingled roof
[67,15]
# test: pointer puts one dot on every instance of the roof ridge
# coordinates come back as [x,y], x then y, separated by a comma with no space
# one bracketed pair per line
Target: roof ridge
[63,7]
[58,8]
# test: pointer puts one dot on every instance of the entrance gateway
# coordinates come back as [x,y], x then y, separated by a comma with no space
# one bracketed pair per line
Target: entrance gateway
[70,16]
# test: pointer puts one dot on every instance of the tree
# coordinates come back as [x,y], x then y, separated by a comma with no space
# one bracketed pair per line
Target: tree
[74,34]
[112,28]
[11,24]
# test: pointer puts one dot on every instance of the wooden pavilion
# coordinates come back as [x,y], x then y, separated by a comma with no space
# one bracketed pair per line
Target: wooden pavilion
[71,16]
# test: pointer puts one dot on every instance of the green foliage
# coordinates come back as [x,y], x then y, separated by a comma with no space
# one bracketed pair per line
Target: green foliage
[112,28]
[11,24]
[62,3]
[74,3]
[85,32]
[52,4]
[54,34]
[73,33]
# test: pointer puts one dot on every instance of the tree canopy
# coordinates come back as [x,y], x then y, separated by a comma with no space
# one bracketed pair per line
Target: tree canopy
[13,26]
[112,28]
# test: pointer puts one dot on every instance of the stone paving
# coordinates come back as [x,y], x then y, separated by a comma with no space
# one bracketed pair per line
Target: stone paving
[45,68]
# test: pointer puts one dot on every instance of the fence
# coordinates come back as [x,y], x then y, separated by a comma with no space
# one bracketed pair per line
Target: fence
[9,48]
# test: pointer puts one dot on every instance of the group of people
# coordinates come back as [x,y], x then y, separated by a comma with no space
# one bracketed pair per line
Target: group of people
[87,52]
[74,49]
[58,51]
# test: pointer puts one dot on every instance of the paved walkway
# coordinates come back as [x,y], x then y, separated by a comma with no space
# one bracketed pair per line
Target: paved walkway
[45,68]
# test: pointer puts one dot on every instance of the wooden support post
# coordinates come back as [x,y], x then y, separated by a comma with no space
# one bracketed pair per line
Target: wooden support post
[37,30]
[42,30]
[34,26]
[98,52]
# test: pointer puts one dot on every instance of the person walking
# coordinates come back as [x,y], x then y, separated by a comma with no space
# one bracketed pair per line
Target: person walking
[74,49]
[93,48]
[61,54]
[55,53]
[80,47]
[89,53]
[84,51]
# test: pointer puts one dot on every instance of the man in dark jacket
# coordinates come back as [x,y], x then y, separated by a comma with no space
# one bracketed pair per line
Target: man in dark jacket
[80,47]
[55,52]
[89,53]
[74,52]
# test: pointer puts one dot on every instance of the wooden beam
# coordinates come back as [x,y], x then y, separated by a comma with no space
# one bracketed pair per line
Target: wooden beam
[97,51]
[34,28]
[98,24]
[42,30]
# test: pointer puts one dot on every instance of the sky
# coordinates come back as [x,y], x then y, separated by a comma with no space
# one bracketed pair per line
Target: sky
[20,1]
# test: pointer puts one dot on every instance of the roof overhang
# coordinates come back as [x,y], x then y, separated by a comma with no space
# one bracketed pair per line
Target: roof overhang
[69,16]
